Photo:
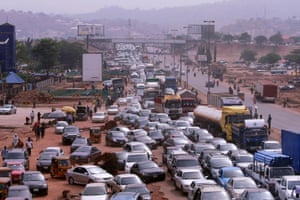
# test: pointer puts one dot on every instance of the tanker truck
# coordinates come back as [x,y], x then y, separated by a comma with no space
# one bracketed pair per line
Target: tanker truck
[234,123]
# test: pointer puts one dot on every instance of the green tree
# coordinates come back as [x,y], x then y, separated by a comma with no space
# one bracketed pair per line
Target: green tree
[24,51]
[276,39]
[70,54]
[294,57]
[270,58]
[248,55]
[245,37]
[46,53]
[228,38]
[260,40]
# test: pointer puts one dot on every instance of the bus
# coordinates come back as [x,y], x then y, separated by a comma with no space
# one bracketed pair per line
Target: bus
[169,104]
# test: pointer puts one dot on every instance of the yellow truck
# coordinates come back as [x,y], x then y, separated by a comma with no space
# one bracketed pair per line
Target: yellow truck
[233,123]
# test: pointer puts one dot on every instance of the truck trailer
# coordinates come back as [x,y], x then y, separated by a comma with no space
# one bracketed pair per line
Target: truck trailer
[229,120]
[266,91]
[290,142]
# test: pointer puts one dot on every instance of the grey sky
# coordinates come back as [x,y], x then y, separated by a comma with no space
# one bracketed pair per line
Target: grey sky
[82,6]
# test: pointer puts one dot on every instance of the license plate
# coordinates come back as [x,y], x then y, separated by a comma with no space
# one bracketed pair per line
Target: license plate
[35,190]
[45,167]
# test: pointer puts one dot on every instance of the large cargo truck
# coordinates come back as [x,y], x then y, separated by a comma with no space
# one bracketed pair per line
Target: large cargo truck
[231,119]
[171,82]
[219,100]
[290,142]
[266,91]
[268,168]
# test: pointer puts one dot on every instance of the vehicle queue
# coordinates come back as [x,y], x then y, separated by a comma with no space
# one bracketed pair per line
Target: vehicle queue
[200,165]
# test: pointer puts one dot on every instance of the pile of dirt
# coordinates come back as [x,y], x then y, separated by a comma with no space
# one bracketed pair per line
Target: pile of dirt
[32,97]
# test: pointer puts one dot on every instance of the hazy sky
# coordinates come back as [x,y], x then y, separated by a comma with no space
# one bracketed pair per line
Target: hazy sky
[82,6]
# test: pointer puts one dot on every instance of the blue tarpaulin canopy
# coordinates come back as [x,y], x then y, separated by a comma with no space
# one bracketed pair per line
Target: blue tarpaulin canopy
[13,78]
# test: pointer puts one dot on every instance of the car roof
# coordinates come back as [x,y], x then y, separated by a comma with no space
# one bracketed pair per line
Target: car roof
[95,185]
[230,168]
[211,188]
[126,175]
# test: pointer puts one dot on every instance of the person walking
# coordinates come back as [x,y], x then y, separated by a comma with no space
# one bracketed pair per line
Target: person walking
[29,145]
[32,116]
[269,123]
[43,128]
[4,153]
[37,130]
[39,116]
[15,141]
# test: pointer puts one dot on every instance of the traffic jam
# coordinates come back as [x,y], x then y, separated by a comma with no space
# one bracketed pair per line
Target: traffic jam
[154,131]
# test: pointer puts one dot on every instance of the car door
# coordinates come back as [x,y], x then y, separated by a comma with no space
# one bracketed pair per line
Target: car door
[95,154]
[229,187]
[78,175]
[177,179]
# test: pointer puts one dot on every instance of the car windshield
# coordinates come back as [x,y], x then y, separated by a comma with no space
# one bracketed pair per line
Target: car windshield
[15,155]
[245,183]
[93,191]
[138,148]
[15,166]
[33,177]
[79,141]
[46,156]
[278,172]
[17,193]
[227,147]
[220,162]
[129,180]
[63,124]
[246,158]
[140,190]
[83,149]
[147,165]
[232,173]
[117,134]
[7,106]
[192,175]
[216,195]
[96,170]
[187,163]
[99,114]
[260,195]
[272,145]
[137,158]
[291,184]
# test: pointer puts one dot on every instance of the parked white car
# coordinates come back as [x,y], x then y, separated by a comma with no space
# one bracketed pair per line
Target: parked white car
[100,117]
[8,109]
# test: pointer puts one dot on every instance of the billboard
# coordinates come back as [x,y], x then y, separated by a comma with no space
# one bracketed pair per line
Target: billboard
[194,29]
[92,67]
[96,30]
[207,31]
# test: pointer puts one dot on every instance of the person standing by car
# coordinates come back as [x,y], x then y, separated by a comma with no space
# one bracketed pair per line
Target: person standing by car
[269,123]
[32,116]
[29,145]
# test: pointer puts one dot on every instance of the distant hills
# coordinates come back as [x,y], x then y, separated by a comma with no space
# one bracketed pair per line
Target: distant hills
[256,17]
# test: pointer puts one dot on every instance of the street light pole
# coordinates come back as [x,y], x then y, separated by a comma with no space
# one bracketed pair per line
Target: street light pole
[209,22]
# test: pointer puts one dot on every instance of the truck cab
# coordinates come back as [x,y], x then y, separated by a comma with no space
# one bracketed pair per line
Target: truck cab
[285,187]
[268,168]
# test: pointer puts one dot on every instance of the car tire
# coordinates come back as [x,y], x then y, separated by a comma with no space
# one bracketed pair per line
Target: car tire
[71,181]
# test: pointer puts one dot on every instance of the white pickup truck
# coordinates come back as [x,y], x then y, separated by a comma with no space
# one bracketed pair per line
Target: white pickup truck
[284,188]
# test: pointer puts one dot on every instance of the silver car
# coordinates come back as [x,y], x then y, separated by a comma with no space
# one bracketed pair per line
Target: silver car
[8,109]
[95,191]
[84,174]
[59,127]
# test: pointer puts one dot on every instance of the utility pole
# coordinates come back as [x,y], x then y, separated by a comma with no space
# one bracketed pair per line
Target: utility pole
[210,23]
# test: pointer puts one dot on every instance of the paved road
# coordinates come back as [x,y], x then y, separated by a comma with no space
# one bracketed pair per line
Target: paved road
[282,118]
